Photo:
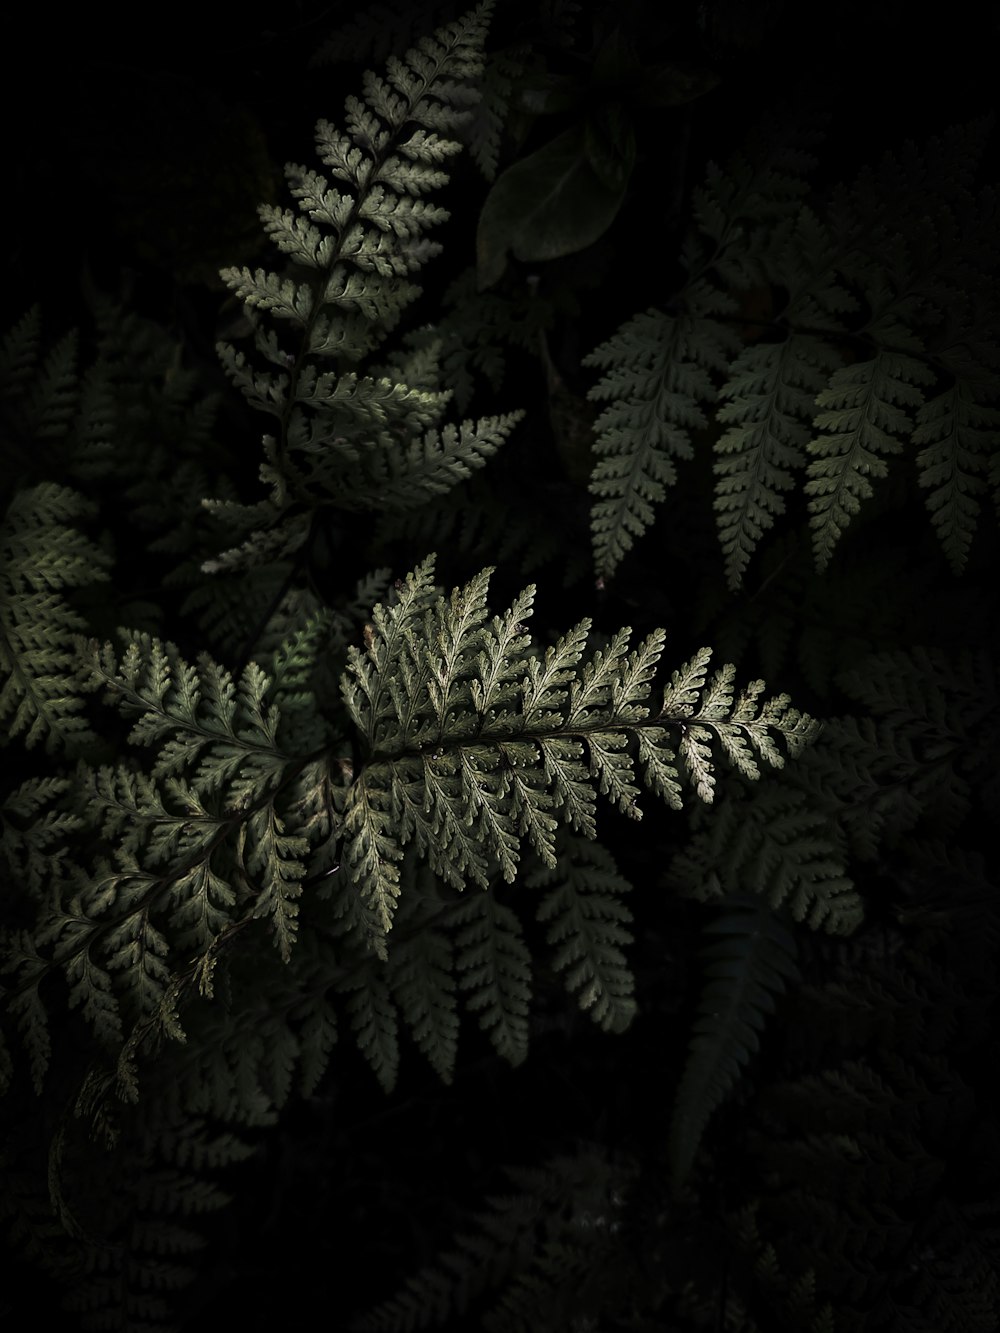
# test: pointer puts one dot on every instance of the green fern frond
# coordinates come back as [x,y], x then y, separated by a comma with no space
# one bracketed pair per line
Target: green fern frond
[738,209]
[589,927]
[19,352]
[539,1253]
[777,845]
[25,969]
[493,964]
[52,411]
[656,378]
[220,765]
[375,1023]
[292,680]
[864,419]
[485,128]
[420,974]
[958,430]
[41,554]
[407,476]
[375,32]
[918,259]
[346,439]
[922,751]
[475,742]
[746,969]
[36,829]
[768,407]
[199,848]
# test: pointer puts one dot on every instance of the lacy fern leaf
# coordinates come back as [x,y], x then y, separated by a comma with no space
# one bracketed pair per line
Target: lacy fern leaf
[768,404]
[42,553]
[656,381]
[345,438]
[745,970]
[958,430]
[589,926]
[494,969]
[864,418]
[218,766]
[808,385]
[773,844]
[197,848]
[474,741]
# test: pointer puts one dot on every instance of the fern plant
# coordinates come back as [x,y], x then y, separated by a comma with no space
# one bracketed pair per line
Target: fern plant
[856,360]
[333,879]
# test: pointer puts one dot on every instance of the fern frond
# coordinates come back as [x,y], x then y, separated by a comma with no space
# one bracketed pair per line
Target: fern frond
[36,828]
[474,741]
[958,430]
[745,970]
[921,750]
[345,439]
[375,1023]
[404,477]
[589,927]
[768,407]
[41,554]
[199,848]
[25,969]
[485,128]
[493,964]
[19,355]
[421,980]
[540,1253]
[773,844]
[738,208]
[864,419]
[656,378]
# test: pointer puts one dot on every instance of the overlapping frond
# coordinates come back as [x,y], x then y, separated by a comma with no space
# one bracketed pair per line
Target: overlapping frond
[353,240]
[656,385]
[768,404]
[477,742]
[745,970]
[920,749]
[864,417]
[775,844]
[871,326]
[589,926]
[42,555]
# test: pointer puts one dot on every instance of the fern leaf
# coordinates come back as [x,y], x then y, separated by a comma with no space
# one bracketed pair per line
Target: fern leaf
[957,432]
[541,1252]
[41,554]
[925,739]
[589,927]
[317,1037]
[864,420]
[396,478]
[375,1023]
[273,864]
[26,969]
[356,441]
[371,850]
[420,978]
[777,846]
[656,378]
[494,968]
[467,782]
[745,970]
[767,407]
[739,207]
[19,353]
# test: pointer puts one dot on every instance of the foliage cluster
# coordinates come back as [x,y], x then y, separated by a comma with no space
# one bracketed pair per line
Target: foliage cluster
[290,800]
